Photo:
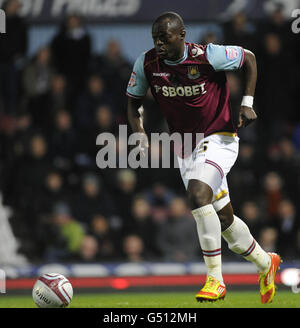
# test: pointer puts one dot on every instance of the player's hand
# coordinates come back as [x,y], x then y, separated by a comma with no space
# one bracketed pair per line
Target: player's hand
[247,115]
[143,144]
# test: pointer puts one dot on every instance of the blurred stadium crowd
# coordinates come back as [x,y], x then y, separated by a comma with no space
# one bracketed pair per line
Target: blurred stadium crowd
[64,208]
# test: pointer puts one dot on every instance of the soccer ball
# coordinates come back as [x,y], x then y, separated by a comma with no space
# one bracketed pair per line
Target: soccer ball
[52,290]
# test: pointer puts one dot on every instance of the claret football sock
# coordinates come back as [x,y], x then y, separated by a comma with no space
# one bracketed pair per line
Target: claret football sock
[209,232]
[240,241]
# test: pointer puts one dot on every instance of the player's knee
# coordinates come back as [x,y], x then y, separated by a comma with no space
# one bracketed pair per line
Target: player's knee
[226,216]
[225,220]
[199,194]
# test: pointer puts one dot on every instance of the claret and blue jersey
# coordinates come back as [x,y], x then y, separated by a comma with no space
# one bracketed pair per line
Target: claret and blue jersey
[192,92]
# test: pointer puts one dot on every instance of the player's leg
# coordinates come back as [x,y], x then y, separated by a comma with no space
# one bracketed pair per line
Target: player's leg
[200,197]
[202,174]
[200,194]
[240,241]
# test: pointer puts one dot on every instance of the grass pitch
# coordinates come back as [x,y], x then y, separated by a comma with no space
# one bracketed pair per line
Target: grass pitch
[233,299]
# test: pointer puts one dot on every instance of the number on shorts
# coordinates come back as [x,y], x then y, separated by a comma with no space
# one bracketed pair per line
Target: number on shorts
[203,147]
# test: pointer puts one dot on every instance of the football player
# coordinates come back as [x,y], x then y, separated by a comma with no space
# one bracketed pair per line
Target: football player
[188,82]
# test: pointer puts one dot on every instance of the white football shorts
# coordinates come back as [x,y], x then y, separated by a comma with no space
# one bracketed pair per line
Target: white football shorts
[210,162]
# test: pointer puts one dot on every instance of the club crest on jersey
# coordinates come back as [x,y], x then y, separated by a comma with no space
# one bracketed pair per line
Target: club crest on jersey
[132,80]
[193,72]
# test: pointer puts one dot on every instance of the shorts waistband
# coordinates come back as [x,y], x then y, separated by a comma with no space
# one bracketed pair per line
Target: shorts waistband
[228,134]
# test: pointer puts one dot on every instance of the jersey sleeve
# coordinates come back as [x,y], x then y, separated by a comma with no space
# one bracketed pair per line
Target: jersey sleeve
[225,58]
[138,84]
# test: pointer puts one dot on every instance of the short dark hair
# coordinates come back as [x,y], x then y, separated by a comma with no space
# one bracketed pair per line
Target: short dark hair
[172,17]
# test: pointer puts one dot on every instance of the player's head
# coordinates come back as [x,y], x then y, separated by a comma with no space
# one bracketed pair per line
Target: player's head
[168,35]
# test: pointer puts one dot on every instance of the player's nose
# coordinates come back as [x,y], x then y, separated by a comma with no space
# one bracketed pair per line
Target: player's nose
[158,42]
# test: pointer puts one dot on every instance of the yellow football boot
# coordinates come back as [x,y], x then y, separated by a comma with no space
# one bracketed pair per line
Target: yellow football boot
[267,279]
[212,291]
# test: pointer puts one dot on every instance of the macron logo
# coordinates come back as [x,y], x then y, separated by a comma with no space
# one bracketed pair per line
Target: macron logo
[161,74]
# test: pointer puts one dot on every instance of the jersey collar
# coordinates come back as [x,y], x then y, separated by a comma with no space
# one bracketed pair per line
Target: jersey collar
[178,61]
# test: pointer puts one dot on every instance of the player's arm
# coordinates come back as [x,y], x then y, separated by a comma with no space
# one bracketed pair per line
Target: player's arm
[136,90]
[229,58]
[247,114]
[135,112]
